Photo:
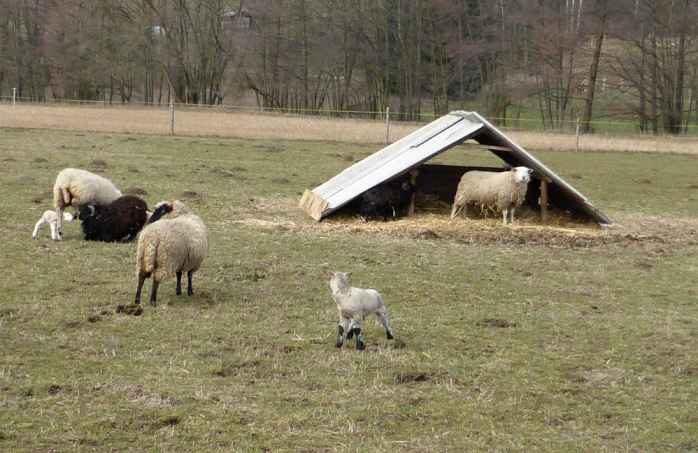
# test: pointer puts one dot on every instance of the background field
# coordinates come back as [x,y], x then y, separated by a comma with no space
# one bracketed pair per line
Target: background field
[207,122]
[510,338]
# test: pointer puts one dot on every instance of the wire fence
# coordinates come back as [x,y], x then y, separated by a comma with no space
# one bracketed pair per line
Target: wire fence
[387,118]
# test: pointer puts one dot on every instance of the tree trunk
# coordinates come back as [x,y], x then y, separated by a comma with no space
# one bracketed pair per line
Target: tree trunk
[593,72]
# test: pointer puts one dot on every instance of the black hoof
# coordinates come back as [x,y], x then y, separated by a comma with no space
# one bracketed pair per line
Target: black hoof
[389,335]
[360,346]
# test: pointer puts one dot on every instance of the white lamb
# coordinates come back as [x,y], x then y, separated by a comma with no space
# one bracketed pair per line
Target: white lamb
[503,191]
[51,218]
[175,241]
[75,187]
[354,304]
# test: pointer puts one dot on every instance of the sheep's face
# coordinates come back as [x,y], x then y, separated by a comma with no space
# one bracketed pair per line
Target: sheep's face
[339,281]
[161,209]
[86,211]
[68,217]
[522,175]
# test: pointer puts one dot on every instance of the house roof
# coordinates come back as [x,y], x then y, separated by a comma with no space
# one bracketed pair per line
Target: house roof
[422,145]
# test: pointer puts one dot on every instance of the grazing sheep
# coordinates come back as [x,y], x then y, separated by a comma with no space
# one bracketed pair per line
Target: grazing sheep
[75,187]
[390,199]
[174,241]
[120,220]
[504,191]
[51,218]
[354,304]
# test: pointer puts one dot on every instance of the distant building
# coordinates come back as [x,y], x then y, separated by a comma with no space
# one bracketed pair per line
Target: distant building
[230,19]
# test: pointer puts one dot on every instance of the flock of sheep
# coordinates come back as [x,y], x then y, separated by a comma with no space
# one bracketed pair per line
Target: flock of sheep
[173,240]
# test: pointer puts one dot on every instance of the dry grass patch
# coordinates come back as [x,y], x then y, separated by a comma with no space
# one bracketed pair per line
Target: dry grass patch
[213,122]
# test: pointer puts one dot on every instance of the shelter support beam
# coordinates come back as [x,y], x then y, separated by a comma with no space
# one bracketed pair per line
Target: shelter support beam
[544,214]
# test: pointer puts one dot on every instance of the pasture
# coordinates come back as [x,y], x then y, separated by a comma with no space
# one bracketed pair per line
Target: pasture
[508,338]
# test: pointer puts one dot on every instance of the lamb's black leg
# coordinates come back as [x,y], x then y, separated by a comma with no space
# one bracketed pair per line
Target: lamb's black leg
[154,292]
[190,289]
[141,279]
[360,345]
[340,336]
[178,289]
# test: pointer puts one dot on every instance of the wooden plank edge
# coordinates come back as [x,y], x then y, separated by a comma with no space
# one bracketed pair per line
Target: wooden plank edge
[313,204]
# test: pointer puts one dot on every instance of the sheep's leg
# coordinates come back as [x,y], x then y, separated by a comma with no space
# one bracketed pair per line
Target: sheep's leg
[511,215]
[36,228]
[342,332]
[154,292]
[360,345]
[141,278]
[383,319]
[454,211]
[190,288]
[178,288]
[505,214]
[355,329]
[59,224]
[54,231]
[340,336]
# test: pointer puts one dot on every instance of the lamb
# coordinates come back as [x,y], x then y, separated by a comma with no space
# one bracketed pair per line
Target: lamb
[51,218]
[390,199]
[353,305]
[504,191]
[75,187]
[121,220]
[174,241]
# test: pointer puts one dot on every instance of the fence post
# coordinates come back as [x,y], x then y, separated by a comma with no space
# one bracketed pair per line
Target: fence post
[387,125]
[172,115]
[14,96]
[577,136]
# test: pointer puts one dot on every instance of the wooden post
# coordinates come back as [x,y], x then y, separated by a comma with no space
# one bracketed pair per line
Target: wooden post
[577,136]
[544,200]
[387,125]
[413,181]
[172,114]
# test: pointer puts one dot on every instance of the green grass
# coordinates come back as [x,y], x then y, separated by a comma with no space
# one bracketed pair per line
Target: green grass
[599,353]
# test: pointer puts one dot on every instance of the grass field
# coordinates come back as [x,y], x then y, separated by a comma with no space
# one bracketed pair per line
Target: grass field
[508,338]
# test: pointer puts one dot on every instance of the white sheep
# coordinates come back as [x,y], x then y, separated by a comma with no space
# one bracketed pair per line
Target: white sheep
[175,241]
[353,305]
[504,191]
[51,218]
[75,187]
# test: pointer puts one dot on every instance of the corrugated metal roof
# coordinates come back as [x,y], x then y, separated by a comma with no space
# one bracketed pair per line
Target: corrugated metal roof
[422,145]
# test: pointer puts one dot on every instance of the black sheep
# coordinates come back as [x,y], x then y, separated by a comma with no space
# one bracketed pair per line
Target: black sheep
[121,220]
[388,200]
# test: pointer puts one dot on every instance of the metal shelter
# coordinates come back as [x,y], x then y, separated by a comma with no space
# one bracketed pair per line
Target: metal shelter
[427,142]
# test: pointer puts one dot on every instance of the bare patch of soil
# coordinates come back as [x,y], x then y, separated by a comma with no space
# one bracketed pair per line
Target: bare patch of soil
[40,198]
[494,322]
[133,309]
[98,165]
[408,377]
[135,191]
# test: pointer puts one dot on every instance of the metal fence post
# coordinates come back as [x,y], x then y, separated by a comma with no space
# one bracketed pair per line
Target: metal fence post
[14,96]
[387,125]
[577,136]
[172,116]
